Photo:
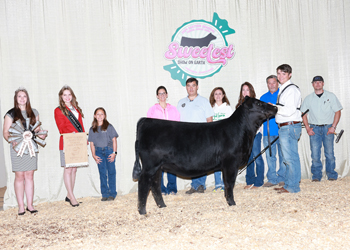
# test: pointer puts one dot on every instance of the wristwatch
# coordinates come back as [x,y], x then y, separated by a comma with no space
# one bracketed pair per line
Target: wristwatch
[115,152]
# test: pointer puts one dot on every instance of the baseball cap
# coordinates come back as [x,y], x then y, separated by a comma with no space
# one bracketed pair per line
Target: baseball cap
[317,78]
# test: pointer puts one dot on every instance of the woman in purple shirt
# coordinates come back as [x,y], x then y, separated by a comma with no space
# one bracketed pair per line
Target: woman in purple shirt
[165,111]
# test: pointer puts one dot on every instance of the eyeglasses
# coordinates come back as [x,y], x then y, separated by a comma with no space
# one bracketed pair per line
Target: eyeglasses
[162,93]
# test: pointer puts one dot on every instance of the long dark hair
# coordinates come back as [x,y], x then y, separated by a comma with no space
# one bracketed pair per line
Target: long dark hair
[241,97]
[95,123]
[17,111]
[74,101]
[212,99]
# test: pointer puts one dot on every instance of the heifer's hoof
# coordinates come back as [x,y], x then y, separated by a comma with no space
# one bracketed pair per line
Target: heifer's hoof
[161,205]
[142,211]
[231,203]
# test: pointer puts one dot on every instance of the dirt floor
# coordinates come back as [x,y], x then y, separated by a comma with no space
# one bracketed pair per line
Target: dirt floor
[316,218]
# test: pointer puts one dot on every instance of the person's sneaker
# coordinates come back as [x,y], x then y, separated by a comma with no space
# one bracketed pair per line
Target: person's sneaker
[104,199]
[281,183]
[200,189]
[217,189]
[191,191]
[172,193]
[315,180]
[332,179]
[268,184]
[111,198]
[163,193]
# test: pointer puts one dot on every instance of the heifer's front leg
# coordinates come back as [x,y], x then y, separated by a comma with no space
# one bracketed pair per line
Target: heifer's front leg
[144,186]
[156,189]
[229,176]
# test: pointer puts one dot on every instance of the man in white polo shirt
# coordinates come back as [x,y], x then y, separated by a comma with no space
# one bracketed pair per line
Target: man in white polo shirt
[195,108]
[320,123]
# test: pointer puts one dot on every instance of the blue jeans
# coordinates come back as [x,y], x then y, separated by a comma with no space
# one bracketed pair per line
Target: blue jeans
[273,176]
[198,182]
[289,136]
[258,178]
[107,172]
[171,186]
[316,145]
[218,181]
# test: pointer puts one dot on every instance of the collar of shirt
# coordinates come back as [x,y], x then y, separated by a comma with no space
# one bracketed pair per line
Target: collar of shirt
[193,99]
[283,86]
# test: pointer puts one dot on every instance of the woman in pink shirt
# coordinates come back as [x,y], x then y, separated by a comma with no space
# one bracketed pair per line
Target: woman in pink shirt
[165,111]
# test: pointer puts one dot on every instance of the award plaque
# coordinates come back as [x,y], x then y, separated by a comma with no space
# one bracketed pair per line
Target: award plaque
[75,150]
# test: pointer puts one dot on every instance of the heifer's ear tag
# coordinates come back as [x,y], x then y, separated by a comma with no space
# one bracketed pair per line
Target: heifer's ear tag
[183,105]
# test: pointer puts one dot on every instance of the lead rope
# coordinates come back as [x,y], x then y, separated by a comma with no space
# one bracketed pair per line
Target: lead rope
[268,135]
[263,151]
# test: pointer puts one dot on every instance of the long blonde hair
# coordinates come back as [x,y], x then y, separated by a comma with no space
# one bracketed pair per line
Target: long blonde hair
[74,101]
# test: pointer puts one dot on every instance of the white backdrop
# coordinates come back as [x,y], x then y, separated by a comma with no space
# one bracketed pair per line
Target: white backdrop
[112,54]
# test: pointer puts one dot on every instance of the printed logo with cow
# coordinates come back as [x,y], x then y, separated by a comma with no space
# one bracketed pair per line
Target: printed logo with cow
[199,49]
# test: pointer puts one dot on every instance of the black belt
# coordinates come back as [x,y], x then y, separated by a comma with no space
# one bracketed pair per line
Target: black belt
[322,125]
[287,123]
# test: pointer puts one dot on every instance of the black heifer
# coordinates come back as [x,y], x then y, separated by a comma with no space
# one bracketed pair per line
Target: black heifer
[194,149]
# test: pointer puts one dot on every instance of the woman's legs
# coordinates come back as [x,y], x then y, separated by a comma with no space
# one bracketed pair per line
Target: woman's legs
[69,181]
[19,190]
[29,188]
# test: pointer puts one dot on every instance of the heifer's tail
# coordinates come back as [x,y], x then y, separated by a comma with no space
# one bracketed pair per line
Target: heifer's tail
[137,167]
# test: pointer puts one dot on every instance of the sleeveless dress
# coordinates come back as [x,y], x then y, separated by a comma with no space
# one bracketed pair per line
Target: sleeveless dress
[24,163]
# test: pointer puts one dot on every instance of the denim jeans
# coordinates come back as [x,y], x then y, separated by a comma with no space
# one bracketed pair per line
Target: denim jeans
[218,181]
[273,176]
[256,176]
[171,186]
[199,181]
[320,137]
[107,172]
[289,136]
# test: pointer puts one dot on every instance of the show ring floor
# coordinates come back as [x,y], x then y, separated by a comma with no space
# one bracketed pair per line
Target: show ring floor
[316,218]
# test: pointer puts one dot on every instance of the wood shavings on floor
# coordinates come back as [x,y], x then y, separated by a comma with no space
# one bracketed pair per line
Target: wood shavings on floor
[316,218]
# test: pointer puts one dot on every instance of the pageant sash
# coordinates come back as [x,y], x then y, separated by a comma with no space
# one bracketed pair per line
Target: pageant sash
[75,122]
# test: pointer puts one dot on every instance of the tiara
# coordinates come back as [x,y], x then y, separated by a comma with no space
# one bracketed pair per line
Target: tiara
[20,89]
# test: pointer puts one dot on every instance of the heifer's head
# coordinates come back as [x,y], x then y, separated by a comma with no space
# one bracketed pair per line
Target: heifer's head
[257,110]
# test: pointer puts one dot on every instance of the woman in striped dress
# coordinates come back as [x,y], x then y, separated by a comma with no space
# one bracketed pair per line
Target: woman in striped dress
[25,165]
